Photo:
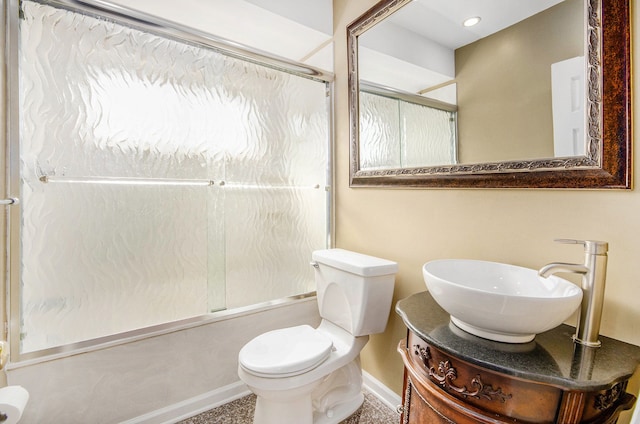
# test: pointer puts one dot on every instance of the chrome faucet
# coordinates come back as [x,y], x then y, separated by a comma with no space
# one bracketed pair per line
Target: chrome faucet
[593,271]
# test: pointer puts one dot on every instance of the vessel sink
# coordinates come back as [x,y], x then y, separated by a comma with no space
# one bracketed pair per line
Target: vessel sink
[500,302]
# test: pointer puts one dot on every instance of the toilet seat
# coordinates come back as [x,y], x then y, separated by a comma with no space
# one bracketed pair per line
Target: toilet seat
[285,352]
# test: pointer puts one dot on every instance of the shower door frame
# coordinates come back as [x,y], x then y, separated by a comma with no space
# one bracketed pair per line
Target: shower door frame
[9,152]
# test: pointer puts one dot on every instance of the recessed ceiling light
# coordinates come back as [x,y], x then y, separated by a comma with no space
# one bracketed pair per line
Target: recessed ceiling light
[472,21]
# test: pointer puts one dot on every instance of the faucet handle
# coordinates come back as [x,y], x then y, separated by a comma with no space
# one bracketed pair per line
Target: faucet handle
[594,247]
[569,241]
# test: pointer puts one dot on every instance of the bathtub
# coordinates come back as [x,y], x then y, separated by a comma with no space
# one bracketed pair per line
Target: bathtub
[152,378]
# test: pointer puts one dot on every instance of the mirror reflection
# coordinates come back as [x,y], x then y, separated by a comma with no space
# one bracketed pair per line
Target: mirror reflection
[433,91]
[404,131]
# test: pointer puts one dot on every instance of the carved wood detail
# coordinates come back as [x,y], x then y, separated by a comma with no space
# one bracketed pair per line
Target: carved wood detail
[606,400]
[407,402]
[434,393]
[594,97]
[446,374]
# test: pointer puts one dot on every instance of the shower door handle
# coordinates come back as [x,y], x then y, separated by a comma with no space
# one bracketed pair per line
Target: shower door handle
[10,201]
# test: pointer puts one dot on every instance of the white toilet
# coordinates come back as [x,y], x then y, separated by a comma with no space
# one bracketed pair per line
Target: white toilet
[304,375]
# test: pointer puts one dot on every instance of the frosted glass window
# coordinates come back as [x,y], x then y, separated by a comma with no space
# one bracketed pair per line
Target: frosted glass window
[160,180]
[395,133]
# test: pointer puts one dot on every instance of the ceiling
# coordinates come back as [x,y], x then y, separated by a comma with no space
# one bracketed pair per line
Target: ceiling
[298,30]
[302,30]
[441,20]
[414,49]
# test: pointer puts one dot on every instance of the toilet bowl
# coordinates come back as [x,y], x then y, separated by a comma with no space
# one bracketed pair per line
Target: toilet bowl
[304,375]
[296,396]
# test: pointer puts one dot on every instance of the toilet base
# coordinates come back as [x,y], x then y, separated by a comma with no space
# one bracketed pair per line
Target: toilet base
[340,412]
[326,401]
[273,410]
[299,411]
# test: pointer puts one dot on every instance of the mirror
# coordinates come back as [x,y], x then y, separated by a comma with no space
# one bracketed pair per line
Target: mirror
[526,98]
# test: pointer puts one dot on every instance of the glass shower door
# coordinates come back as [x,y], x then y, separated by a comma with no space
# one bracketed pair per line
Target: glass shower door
[160,180]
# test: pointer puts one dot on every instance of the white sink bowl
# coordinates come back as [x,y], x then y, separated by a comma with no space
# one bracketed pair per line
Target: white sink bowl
[500,302]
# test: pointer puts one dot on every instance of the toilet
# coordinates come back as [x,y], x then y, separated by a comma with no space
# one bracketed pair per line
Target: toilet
[307,375]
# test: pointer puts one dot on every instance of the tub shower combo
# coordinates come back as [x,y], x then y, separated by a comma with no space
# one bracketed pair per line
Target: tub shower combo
[162,175]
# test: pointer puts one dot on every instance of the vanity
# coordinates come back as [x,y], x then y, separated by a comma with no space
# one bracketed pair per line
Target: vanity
[451,376]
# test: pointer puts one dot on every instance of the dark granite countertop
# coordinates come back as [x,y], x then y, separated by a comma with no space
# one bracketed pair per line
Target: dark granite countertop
[552,357]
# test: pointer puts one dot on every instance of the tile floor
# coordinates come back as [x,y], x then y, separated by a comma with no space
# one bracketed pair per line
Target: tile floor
[241,412]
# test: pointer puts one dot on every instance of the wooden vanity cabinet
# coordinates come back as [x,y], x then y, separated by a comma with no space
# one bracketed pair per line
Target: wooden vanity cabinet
[454,377]
[439,388]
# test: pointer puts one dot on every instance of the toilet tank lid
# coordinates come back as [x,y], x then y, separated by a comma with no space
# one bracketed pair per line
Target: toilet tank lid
[356,263]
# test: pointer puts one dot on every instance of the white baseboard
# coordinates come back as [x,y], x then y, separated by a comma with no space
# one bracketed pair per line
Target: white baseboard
[193,406]
[382,392]
[206,401]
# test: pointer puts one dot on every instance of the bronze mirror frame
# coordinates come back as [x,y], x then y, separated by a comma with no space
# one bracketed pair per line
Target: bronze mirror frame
[607,164]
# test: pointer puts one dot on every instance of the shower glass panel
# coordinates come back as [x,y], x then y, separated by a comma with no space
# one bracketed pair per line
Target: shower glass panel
[428,135]
[396,133]
[160,179]
[379,132]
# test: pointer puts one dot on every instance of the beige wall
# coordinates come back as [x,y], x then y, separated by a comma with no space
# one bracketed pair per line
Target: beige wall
[413,226]
[504,96]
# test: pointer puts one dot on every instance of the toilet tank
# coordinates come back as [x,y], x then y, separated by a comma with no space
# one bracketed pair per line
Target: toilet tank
[354,290]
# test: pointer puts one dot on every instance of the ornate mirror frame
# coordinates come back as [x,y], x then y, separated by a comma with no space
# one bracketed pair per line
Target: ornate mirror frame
[608,161]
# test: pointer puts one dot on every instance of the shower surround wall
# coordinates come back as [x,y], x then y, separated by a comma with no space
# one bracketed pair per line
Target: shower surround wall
[160,180]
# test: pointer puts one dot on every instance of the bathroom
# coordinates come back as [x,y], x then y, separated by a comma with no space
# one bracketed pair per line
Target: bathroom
[409,226]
